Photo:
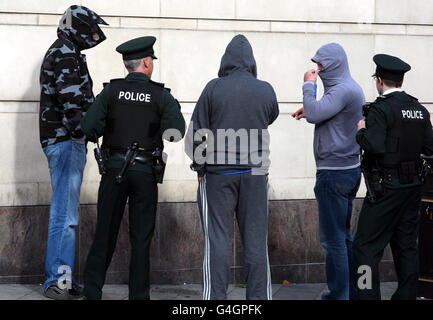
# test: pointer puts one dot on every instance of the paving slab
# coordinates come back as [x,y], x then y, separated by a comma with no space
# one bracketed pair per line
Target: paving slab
[19,291]
[179,292]
[295,291]
[115,292]
[302,291]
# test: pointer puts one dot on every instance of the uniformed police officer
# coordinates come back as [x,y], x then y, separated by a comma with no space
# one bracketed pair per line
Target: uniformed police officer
[397,129]
[134,109]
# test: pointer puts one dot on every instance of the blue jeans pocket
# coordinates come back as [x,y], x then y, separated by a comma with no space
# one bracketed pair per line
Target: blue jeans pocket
[53,152]
[346,183]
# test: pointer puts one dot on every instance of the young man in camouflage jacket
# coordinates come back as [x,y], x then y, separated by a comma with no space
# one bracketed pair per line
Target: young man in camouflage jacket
[66,94]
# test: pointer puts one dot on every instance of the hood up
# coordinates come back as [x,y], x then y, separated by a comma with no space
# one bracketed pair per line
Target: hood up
[80,25]
[335,65]
[238,56]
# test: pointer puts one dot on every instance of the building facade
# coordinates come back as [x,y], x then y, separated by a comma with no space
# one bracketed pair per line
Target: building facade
[191,38]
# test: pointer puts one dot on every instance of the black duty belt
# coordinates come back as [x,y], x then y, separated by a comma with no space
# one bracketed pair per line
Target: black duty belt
[394,174]
[140,158]
[390,174]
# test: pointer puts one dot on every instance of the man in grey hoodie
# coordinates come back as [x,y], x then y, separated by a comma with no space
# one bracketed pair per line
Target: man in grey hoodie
[229,145]
[336,152]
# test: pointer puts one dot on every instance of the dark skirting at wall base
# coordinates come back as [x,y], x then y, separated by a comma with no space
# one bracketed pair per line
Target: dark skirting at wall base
[295,252]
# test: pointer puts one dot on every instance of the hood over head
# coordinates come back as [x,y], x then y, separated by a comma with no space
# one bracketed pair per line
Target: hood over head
[335,65]
[80,25]
[238,56]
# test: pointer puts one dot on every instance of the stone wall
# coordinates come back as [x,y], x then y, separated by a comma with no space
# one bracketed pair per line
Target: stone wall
[192,36]
[295,253]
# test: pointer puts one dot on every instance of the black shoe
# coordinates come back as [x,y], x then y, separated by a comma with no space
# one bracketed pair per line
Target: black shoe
[76,292]
[54,292]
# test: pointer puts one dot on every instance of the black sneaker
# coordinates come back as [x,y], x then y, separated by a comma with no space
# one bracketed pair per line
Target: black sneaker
[54,292]
[76,292]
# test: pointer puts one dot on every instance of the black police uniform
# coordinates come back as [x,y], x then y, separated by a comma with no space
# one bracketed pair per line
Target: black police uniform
[398,130]
[134,109]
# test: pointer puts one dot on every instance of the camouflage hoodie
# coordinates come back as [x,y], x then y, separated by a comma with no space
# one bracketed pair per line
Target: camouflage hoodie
[66,86]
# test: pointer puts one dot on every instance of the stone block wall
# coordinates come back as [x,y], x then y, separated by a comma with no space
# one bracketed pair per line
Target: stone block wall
[192,36]
[295,253]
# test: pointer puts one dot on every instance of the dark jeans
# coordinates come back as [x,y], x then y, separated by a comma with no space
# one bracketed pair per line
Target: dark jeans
[335,191]
[141,190]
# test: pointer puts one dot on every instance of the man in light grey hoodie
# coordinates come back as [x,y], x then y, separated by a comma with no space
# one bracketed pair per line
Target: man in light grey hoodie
[235,107]
[336,152]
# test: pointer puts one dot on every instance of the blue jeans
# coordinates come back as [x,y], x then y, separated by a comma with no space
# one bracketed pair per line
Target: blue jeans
[335,191]
[66,162]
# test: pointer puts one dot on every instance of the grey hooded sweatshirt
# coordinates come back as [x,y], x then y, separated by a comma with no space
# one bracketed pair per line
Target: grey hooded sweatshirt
[337,113]
[236,104]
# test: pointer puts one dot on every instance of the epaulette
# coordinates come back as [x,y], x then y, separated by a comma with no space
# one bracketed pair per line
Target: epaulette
[378,103]
[105,84]
[116,79]
[177,102]
[157,83]
[416,99]
[366,107]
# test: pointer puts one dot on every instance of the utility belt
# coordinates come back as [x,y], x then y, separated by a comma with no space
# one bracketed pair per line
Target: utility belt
[377,176]
[141,157]
[404,173]
[157,159]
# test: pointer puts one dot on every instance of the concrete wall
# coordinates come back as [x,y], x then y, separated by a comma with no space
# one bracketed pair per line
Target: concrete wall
[192,36]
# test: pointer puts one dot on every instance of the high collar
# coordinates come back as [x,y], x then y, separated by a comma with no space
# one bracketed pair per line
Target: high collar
[137,76]
[391,91]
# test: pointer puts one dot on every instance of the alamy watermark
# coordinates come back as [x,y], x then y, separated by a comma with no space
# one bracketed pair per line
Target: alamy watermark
[66,20]
[65,280]
[365,278]
[242,147]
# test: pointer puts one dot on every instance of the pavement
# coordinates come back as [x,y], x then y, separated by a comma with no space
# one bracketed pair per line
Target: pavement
[304,291]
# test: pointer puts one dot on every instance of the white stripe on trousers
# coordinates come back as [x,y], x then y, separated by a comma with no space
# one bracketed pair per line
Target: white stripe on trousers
[269,284]
[206,260]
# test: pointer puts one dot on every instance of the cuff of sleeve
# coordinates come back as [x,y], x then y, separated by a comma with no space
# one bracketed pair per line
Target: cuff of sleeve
[312,82]
[78,135]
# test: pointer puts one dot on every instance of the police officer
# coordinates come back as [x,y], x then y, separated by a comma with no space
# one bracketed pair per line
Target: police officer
[396,130]
[134,109]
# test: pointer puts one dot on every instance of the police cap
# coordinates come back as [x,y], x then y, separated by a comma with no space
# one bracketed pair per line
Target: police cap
[137,48]
[390,67]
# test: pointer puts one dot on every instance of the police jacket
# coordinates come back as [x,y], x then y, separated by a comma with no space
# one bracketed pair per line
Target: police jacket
[133,109]
[398,130]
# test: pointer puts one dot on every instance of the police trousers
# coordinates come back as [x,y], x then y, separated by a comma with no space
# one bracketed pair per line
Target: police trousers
[142,191]
[394,220]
